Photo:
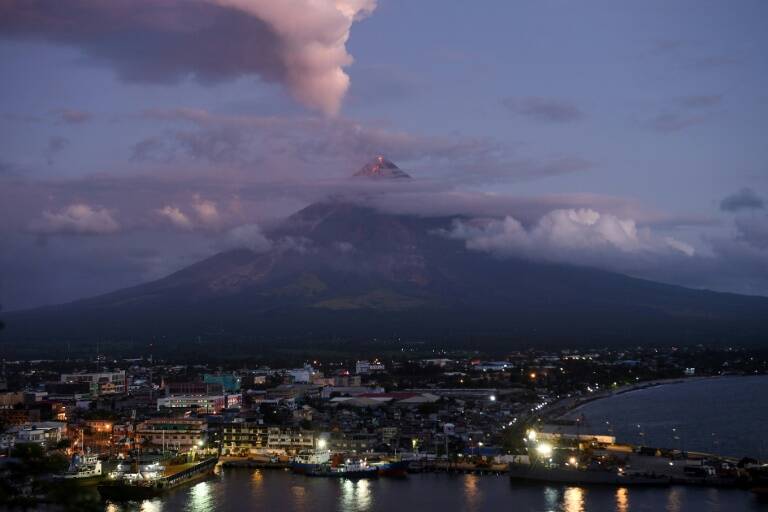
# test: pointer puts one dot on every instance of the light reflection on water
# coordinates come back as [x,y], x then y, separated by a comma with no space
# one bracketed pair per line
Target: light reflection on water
[355,495]
[471,492]
[240,489]
[200,498]
[573,499]
[622,500]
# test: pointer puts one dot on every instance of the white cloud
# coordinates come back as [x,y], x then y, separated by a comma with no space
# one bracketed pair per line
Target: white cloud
[206,211]
[77,218]
[248,236]
[176,217]
[579,236]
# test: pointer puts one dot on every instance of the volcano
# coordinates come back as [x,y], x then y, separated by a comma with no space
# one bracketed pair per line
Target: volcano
[340,269]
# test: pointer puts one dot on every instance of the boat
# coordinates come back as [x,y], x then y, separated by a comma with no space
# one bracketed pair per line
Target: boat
[347,469]
[394,468]
[84,469]
[309,460]
[153,479]
[583,475]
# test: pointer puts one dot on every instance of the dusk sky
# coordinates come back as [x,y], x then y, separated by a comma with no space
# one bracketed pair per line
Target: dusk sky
[138,137]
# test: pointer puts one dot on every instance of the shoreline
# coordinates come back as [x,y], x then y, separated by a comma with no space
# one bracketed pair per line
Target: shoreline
[629,388]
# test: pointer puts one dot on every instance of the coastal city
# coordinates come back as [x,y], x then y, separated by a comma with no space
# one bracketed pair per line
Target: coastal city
[134,428]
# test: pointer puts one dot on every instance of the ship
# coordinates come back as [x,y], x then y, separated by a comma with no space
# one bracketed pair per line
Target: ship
[394,468]
[134,482]
[84,469]
[589,475]
[309,460]
[351,469]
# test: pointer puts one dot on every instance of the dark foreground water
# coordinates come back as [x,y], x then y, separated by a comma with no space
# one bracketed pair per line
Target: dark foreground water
[243,490]
[270,490]
[735,410]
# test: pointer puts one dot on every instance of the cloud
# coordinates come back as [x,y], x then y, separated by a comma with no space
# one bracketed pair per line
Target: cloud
[344,247]
[300,44]
[77,218]
[544,109]
[176,217]
[745,199]
[206,210]
[326,147]
[699,101]
[575,236]
[248,236]
[72,116]
[55,146]
[673,122]
[753,230]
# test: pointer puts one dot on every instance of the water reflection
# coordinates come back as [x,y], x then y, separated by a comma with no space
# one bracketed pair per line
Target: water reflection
[299,495]
[674,499]
[200,499]
[573,499]
[155,505]
[551,498]
[622,499]
[355,495]
[471,492]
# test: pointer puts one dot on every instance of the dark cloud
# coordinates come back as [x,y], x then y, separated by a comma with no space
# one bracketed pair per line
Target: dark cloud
[753,230]
[544,109]
[72,116]
[55,146]
[257,142]
[301,45]
[700,101]
[673,122]
[744,199]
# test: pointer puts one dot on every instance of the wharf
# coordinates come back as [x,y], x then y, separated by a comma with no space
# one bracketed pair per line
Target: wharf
[436,466]
[255,464]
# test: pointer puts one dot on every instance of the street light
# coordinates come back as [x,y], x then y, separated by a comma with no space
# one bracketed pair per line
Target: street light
[544,449]
[321,444]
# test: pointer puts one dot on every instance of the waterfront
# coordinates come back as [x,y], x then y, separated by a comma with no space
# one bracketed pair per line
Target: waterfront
[722,415]
[244,489]
[687,406]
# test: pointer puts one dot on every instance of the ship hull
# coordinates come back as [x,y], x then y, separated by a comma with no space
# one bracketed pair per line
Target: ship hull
[120,491]
[394,469]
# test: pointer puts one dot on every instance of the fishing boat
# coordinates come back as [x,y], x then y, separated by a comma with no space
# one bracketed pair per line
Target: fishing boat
[393,468]
[350,468]
[309,460]
[84,469]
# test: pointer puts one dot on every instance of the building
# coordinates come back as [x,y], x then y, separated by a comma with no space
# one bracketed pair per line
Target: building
[169,433]
[203,397]
[366,367]
[100,383]
[252,438]
[47,433]
[229,382]
[202,403]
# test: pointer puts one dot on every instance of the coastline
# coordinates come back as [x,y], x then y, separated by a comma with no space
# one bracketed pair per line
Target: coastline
[567,409]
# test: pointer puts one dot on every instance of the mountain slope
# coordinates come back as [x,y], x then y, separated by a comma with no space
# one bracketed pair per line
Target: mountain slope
[339,269]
